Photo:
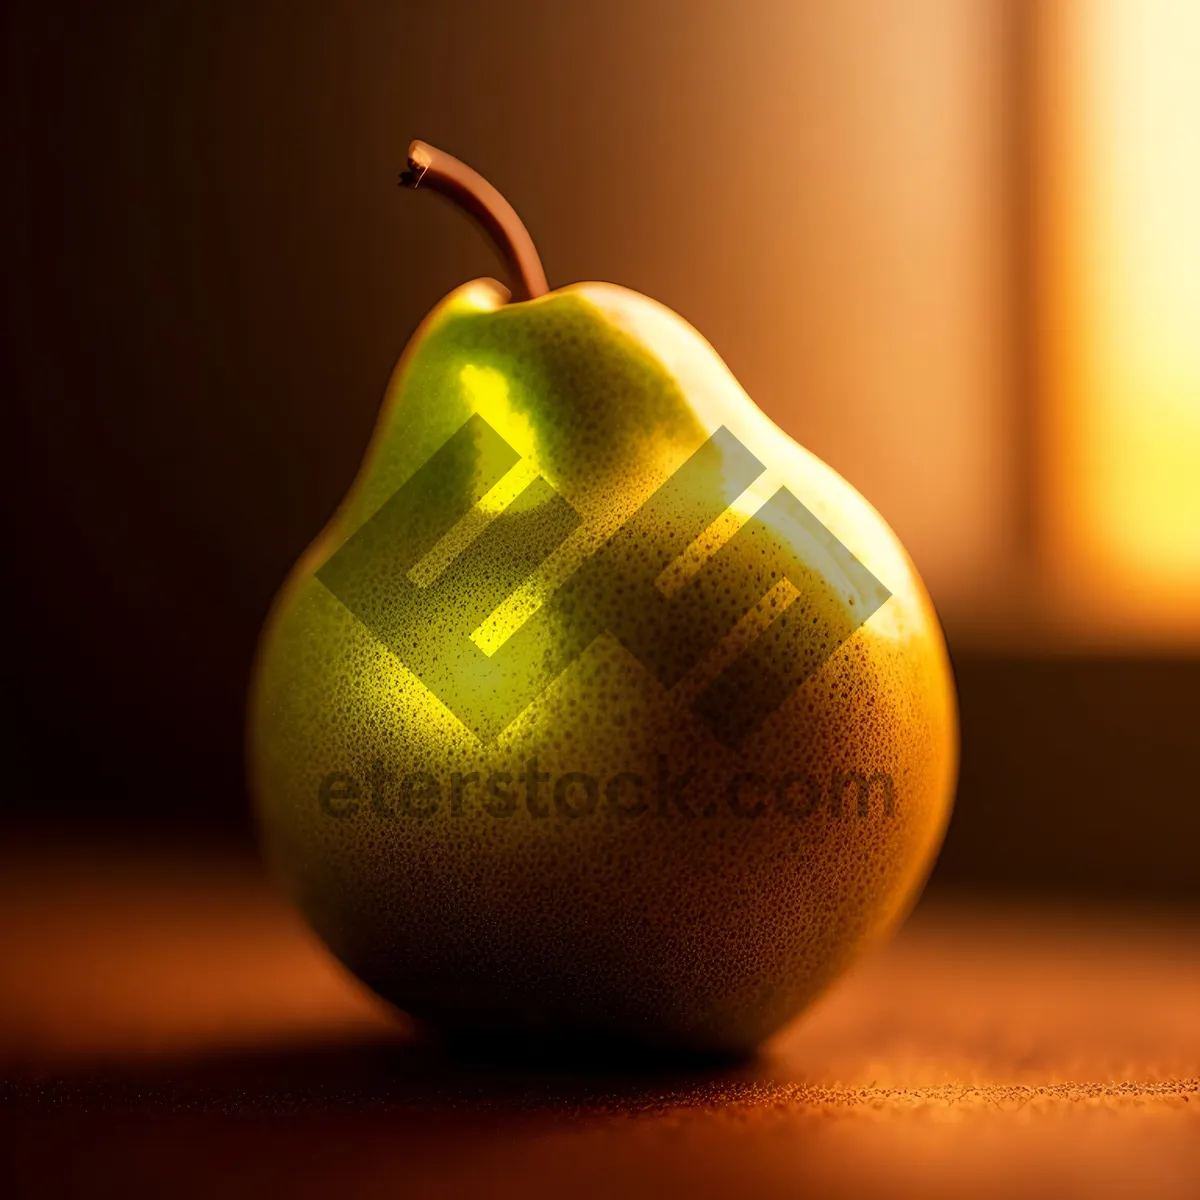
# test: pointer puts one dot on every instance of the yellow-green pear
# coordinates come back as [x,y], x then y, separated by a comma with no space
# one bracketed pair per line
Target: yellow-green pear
[601,709]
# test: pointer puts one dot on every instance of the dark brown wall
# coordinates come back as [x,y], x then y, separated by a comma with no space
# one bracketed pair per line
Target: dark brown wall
[209,274]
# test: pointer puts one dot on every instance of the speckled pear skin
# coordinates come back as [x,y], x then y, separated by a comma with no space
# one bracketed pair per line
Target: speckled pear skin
[703,890]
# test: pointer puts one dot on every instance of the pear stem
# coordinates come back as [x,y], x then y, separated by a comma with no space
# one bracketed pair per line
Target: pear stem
[431,168]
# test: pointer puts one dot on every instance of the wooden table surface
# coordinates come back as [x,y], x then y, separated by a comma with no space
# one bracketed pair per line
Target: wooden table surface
[168,1026]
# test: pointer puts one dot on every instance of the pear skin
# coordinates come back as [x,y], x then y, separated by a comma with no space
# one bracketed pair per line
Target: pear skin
[600,709]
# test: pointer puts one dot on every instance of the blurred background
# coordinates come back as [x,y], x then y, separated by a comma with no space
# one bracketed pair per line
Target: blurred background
[952,248]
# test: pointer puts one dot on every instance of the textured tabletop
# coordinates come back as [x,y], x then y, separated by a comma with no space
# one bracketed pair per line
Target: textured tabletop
[167,1025]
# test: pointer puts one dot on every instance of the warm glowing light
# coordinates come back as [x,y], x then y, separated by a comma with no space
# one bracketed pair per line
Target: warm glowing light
[488,394]
[487,390]
[1124,312]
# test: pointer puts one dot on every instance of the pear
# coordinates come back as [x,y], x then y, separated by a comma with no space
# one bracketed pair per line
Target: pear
[600,709]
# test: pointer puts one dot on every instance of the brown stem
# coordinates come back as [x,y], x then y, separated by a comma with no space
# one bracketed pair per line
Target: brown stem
[433,168]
